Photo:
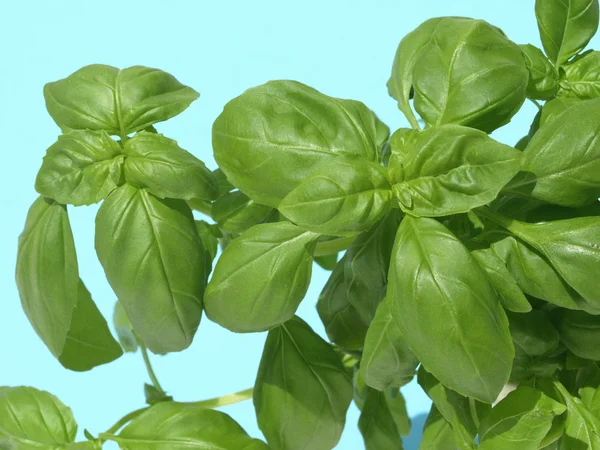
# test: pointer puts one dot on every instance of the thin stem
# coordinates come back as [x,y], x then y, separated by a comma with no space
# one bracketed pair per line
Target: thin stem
[536,103]
[124,420]
[150,370]
[229,399]
[410,116]
[333,246]
[474,416]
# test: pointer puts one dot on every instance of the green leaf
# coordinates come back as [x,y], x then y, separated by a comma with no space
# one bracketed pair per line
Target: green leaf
[343,324]
[580,332]
[556,107]
[81,168]
[302,391]
[34,420]
[124,329]
[341,198]
[367,265]
[386,359]
[154,395]
[327,262]
[401,145]
[456,75]
[543,77]
[453,169]
[377,425]
[520,420]
[100,97]
[89,341]
[437,433]
[400,84]
[209,235]
[282,131]
[582,77]
[582,429]
[236,212]
[503,282]
[461,314]
[158,164]
[397,405]
[566,26]
[224,185]
[261,277]
[155,263]
[179,426]
[455,408]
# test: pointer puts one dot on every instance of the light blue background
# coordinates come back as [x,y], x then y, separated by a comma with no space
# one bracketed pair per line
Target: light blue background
[342,47]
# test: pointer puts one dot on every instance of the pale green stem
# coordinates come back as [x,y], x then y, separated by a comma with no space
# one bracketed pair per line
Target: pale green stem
[473,408]
[229,399]
[150,369]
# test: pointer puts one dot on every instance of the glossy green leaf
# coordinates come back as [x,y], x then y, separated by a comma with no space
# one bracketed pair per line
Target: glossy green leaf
[400,149]
[582,77]
[397,405]
[456,75]
[580,332]
[101,97]
[556,107]
[442,300]
[179,426]
[261,277]
[453,169]
[504,283]
[81,168]
[566,26]
[327,262]
[437,433]
[302,391]
[124,329]
[582,429]
[34,420]
[543,77]
[166,170]
[400,84]
[377,424]
[341,198]
[386,359]
[367,265]
[154,261]
[282,131]
[236,212]
[209,235]
[154,395]
[520,420]
[343,324]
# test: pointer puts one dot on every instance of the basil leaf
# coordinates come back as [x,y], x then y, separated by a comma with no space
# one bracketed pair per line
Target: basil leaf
[454,408]
[582,429]
[100,97]
[543,77]
[302,391]
[401,145]
[582,77]
[377,425]
[566,26]
[158,164]
[556,107]
[124,329]
[89,341]
[397,405]
[367,264]
[437,433]
[47,274]
[343,324]
[261,277]
[400,84]
[520,420]
[580,332]
[341,198]
[456,75]
[179,426]
[327,262]
[209,235]
[81,168]
[571,246]
[236,212]
[304,128]
[386,359]
[33,420]
[154,261]
[503,282]
[453,169]
[536,277]
[462,313]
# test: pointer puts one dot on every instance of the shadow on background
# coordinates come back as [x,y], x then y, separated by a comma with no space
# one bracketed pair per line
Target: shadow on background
[414,439]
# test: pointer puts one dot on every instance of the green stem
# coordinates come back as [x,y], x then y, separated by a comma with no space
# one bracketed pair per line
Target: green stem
[536,103]
[333,246]
[515,227]
[123,421]
[410,116]
[229,399]
[150,369]
[474,416]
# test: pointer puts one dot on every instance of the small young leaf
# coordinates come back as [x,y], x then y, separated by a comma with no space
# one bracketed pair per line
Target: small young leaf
[437,433]
[401,145]
[209,235]
[580,332]
[543,77]
[341,198]
[81,168]
[302,391]
[236,212]
[154,395]
[261,277]
[158,164]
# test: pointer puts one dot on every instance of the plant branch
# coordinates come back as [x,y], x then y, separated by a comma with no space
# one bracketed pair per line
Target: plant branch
[124,421]
[474,415]
[229,399]
[150,369]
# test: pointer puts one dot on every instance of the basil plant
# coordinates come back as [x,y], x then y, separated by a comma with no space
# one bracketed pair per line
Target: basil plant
[467,263]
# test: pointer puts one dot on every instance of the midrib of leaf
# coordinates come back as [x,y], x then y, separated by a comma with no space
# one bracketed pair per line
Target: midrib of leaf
[181,441]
